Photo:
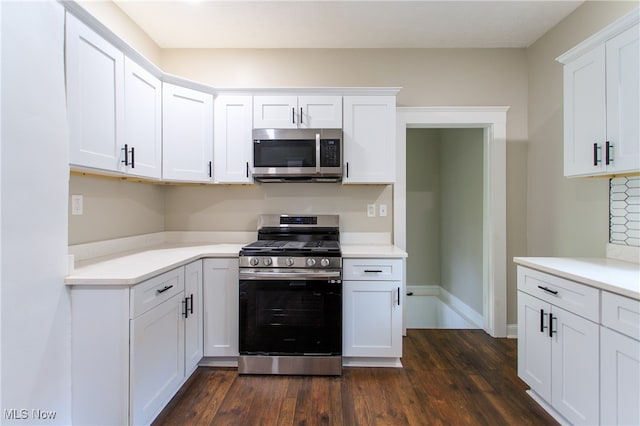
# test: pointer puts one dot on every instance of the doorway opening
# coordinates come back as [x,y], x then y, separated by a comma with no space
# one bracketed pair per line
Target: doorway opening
[492,122]
[444,175]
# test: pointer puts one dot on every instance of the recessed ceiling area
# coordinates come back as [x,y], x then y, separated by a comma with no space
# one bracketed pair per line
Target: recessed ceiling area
[345,24]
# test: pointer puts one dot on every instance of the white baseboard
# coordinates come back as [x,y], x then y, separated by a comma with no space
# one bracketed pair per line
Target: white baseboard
[512,331]
[461,308]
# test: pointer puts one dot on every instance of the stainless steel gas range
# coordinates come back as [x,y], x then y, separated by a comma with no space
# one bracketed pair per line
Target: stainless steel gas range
[291,297]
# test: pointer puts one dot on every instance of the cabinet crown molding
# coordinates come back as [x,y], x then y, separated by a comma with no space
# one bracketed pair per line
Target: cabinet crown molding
[616,27]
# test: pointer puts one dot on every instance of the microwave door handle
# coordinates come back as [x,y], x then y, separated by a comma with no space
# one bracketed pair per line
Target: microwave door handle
[317,153]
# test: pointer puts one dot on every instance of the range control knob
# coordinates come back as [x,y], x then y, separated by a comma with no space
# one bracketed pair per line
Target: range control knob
[267,261]
[254,261]
[324,262]
[311,262]
[289,261]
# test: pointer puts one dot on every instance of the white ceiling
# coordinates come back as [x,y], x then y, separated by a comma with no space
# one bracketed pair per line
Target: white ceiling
[345,24]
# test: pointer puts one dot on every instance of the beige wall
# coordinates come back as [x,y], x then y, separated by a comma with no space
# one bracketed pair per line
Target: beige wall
[461,224]
[566,217]
[118,22]
[114,208]
[423,207]
[235,208]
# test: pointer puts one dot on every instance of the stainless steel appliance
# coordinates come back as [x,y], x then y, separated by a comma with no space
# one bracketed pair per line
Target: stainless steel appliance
[291,297]
[297,155]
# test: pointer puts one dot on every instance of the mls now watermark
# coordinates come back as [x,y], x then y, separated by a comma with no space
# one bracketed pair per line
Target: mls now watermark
[28,414]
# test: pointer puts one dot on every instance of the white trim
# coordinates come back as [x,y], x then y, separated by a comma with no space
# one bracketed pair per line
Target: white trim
[464,310]
[371,362]
[620,25]
[512,331]
[494,122]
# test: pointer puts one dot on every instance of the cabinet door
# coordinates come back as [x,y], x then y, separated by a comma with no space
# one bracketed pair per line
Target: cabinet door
[575,367]
[232,139]
[585,114]
[275,112]
[142,122]
[187,153]
[534,344]
[369,139]
[372,319]
[193,316]
[95,76]
[620,373]
[156,359]
[221,307]
[320,112]
[623,101]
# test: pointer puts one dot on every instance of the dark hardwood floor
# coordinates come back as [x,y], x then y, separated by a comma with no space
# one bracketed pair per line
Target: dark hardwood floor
[450,377]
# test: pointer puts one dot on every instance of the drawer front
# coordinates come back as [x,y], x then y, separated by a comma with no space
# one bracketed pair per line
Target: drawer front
[578,298]
[156,290]
[621,314]
[372,269]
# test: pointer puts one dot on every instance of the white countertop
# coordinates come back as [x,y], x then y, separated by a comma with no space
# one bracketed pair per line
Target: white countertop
[612,275]
[133,267]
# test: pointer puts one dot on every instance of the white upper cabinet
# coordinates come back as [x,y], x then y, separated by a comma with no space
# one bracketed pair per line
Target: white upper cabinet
[369,130]
[292,112]
[187,125]
[95,98]
[114,107]
[602,105]
[623,100]
[142,145]
[232,139]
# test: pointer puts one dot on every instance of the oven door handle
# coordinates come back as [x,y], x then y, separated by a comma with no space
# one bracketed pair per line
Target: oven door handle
[257,274]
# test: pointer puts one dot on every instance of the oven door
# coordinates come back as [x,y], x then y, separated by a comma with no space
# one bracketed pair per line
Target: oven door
[296,313]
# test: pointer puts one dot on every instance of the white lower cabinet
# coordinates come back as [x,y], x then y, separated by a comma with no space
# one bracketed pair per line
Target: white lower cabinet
[372,308]
[220,295]
[579,349]
[157,358]
[133,347]
[620,360]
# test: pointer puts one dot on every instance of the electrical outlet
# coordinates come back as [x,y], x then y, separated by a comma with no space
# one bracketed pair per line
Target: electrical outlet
[77,205]
[371,210]
[382,210]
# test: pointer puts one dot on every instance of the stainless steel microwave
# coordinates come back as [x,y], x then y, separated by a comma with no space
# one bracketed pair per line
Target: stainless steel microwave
[302,155]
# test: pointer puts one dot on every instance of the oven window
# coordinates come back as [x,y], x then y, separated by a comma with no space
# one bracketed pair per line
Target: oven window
[290,317]
[284,153]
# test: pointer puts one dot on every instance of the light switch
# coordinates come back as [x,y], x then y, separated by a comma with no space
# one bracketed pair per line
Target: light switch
[382,210]
[371,210]
[76,205]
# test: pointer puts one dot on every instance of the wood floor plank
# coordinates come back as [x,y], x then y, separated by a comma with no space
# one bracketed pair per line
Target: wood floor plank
[450,377]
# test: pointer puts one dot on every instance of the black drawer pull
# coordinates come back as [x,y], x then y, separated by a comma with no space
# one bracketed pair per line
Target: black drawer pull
[373,271]
[548,290]
[166,287]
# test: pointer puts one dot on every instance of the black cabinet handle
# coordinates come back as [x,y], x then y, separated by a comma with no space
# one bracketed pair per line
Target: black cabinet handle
[190,298]
[162,290]
[608,158]
[300,115]
[210,169]
[126,155]
[542,326]
[293,115]
[373,271]
[185,312]
[133,157]
[247,169]
[596,160]
[347,168]
[398,296]
[551,330]
[548,290]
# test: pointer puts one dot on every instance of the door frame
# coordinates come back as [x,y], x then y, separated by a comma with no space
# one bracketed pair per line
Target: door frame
[493,121]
